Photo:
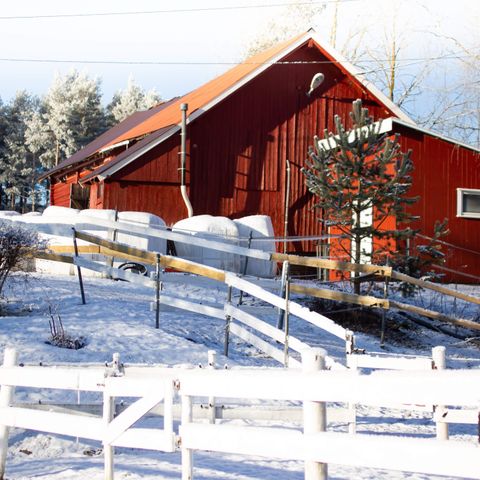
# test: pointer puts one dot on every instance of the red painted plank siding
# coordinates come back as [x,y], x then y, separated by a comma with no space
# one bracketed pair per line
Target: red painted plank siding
[238,150]
[440,168]
[60,194]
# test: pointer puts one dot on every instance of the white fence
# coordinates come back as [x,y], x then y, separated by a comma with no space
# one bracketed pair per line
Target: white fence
[311,443]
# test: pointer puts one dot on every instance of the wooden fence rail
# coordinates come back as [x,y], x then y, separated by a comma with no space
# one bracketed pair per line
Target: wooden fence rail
[142,231]
[115,248]
[174,262]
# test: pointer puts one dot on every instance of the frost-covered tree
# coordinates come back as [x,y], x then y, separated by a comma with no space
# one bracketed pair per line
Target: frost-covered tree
[361,174]
[17,244]
[297,18]
[72,114]
[17,166]
[130,100]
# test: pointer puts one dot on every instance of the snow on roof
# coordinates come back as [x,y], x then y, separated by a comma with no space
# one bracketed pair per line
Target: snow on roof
[387,125]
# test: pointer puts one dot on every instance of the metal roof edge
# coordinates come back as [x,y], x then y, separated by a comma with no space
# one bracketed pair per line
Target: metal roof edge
[432,133]
[138,153]
[260,69]
[197,113]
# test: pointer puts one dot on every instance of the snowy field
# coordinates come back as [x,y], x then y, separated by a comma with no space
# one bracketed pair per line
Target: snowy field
[117,318]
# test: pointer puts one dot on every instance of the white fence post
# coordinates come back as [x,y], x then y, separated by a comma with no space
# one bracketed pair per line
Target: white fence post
[108,450]
[350,352]
[108,414]
[314,413]
[212,360]
[187,454]
[6,396]
[440,363]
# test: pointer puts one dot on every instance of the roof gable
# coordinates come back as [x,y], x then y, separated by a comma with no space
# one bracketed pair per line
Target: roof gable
[211,93]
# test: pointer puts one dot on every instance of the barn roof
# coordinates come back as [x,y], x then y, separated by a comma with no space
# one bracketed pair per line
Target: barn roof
[100,143]
[204,98]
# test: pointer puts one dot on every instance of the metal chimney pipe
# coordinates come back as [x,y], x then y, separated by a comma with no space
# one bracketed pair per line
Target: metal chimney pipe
[183,158]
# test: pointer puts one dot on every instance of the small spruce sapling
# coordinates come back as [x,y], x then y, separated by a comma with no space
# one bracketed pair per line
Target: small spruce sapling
[360,171]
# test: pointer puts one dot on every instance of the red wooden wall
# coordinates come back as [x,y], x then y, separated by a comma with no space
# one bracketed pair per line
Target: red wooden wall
[238,150]
[440,168]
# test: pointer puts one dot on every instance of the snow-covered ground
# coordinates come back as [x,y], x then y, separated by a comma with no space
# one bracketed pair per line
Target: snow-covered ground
[117,318]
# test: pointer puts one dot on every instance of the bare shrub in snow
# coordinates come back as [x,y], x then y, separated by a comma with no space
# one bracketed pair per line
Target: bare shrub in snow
[17,246]
[58,336]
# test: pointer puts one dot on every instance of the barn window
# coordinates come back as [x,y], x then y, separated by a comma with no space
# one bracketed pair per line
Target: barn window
[468,203]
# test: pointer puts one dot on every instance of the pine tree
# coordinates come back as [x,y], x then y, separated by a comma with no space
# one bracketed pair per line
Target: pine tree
[17,168]
[72,116]
[361,173]
[3,129]
[133,99]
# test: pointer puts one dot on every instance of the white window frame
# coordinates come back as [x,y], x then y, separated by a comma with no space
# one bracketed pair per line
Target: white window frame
[460,194]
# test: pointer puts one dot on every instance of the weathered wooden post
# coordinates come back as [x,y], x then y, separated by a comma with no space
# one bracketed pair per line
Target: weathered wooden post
[314,413]
[187,454]
[228,319]
[157,291]
[112,235]
[283,286]
[384,312]
[79,270]
[287,318]
[212,360]
[440,363]
[249,244]
[6,396]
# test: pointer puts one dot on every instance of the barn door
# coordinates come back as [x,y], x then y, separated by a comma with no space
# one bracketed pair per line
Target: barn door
[79,196]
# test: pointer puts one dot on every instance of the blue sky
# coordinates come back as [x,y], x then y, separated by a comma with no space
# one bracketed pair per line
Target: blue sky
[201,36]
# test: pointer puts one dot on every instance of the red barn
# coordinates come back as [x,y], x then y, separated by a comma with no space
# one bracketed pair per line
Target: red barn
[242,127]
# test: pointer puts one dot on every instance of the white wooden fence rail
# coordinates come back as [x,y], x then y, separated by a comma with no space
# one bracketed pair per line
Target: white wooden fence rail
[154,384]
[296,309]
[233,280]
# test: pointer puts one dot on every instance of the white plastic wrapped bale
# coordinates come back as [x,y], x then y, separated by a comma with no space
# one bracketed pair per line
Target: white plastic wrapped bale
[62,219]
[94,213]
[258,226]
[56,211]
[214,228]
[142,219]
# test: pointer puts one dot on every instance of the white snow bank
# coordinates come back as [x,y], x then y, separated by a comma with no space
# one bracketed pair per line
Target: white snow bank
[31,214]
[8,213]
[153,244]
[258,226]
[207,226]
[55,211]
